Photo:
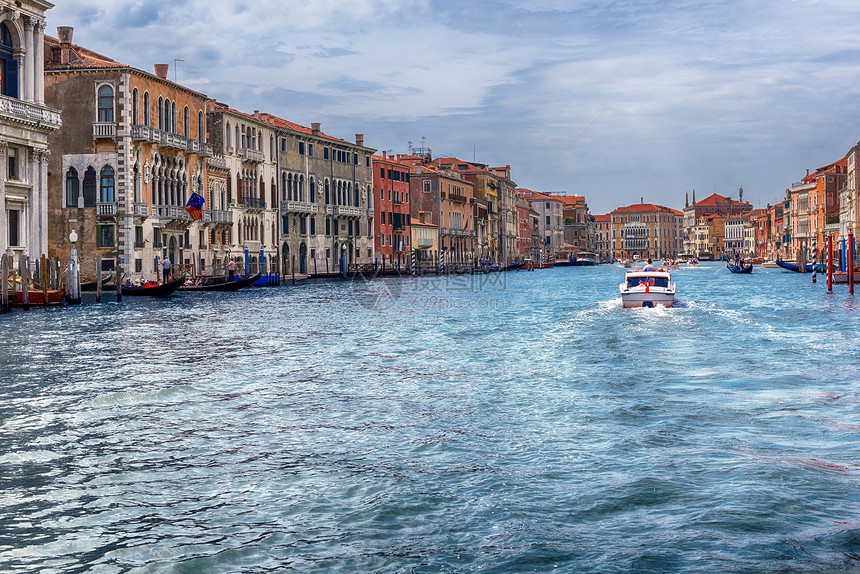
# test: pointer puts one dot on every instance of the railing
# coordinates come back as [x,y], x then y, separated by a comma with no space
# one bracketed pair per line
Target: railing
[253,202]
[145,133]
[424,243]
[218,216]
[171,212]
[141,209]
[104,130]
[457,197]
[298,207]
[106,209]
[217,161]
[35,113]
[250,154]
[174,141]
[347,211]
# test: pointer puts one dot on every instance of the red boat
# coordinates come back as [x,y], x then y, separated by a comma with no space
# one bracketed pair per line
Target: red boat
[52,297]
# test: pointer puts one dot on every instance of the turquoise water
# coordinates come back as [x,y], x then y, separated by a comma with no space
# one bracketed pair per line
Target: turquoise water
[514,422]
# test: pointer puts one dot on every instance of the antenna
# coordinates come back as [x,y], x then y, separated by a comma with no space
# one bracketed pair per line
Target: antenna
[174,67]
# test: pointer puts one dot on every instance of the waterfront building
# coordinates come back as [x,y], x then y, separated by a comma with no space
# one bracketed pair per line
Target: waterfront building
[849,194]
[487,189]
[714,204]
[576,221]
[751,224]
[26,123]
[392,236]
[242,191]
[646,230]
[325,199]
[550,225]
[734,239]
[508,231]
[444,198]
[132,150]
[525,245]
[603,238]
[425,243]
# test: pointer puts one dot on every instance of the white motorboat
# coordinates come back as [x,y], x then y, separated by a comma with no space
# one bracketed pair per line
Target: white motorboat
[647,289]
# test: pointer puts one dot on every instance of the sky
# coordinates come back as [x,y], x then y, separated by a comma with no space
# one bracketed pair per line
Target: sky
[621,101]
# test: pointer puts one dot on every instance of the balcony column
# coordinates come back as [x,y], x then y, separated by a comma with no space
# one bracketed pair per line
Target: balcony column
[29,61]
[39,43]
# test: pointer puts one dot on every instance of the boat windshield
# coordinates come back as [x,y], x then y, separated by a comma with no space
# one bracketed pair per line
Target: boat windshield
[652,281]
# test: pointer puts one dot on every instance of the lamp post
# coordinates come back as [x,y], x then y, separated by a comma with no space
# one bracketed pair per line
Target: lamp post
[74,268]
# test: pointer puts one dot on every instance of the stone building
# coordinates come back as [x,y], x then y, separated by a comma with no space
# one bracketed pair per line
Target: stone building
[443,198]
[242,182]
[26,123]
[131,151]
[646,230]
[550,225]
[326,199]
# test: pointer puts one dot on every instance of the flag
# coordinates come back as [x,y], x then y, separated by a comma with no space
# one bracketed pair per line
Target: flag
[195,206]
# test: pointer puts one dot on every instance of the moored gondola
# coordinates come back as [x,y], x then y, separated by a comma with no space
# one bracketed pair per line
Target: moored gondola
[154,289]
[220,283]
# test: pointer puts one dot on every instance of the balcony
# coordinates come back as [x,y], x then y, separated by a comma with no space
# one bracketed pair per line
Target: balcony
[200,148]
[216,161]
[106,209]
[424,243]
[141,209]
[32,115]
[145,134]
[253,203]
[104,130]
[298,207]
[173,141]
[457,197]
[249,154]
[218,216]
[347,211]
[171,212]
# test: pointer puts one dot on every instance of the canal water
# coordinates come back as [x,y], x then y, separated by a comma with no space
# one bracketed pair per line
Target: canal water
[513,422]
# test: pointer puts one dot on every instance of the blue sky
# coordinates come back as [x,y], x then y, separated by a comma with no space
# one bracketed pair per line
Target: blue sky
[614,100]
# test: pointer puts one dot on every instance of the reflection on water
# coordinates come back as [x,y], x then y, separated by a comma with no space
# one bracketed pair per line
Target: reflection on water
[507,423]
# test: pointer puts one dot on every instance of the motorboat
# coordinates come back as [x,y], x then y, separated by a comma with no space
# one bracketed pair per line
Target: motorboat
[647,289]
[627,263]
[693,262]
[770,264]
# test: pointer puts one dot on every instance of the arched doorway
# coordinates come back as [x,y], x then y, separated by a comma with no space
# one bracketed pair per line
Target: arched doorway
[285,258]
[303,258]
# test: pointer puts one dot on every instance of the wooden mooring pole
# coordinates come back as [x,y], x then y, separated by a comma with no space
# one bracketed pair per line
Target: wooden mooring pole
[830,263]
[5,269]
[24,273]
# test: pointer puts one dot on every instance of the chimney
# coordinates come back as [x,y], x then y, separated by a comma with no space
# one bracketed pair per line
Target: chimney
[359,140]
[384,155]
[315,129]
[161,71]
[64,35]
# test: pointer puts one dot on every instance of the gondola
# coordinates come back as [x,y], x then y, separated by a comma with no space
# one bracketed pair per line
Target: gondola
[796,268]
[38,297]
[93,285]
[154,290]
[221,283]
[739,269]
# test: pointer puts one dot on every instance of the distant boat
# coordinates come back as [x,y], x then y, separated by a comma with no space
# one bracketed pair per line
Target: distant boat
[770,264]
[693,262]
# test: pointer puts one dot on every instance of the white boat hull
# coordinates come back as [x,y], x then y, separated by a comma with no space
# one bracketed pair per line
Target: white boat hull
[647,289]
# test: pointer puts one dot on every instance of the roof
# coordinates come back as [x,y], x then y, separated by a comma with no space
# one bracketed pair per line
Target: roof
[603,218]
[715,199]
[643,207]
[418,223]
[533,195]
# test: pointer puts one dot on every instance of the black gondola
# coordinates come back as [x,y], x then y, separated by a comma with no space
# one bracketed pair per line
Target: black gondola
[154,290]
[93,285]
[739,269]
[221,283]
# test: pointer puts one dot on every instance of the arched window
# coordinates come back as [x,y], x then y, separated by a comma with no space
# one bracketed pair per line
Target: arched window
[228,135]
[238,140]
[313,190]
[105,104]
[301,188]
[8,64]
[327,193]
[146,109]
[73,186]
[107,184]
[135,108]
[186,120]
[90,187]
[284,187]
[160,113]
[173,117]
[201,134]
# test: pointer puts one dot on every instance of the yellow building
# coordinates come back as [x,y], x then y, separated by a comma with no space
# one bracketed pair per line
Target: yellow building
[425,244]
[709,235]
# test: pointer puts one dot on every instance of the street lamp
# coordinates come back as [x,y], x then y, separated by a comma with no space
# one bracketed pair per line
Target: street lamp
[74,271]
